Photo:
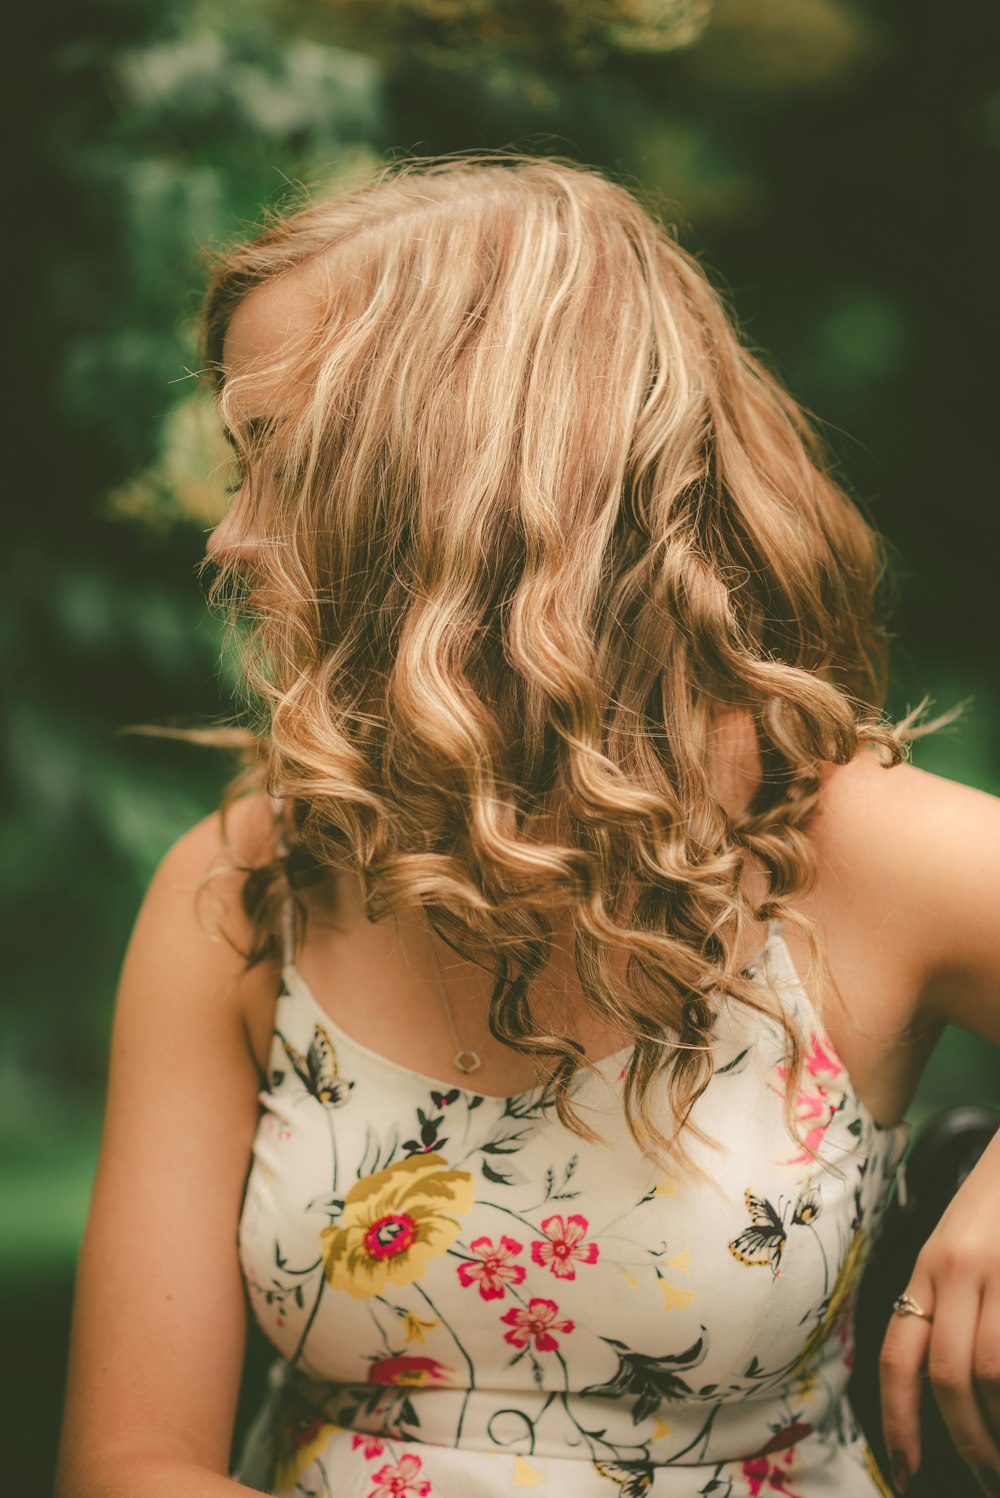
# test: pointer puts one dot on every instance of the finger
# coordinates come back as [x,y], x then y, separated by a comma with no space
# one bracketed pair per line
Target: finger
[904,1351]
[986,1359]
[949,1368]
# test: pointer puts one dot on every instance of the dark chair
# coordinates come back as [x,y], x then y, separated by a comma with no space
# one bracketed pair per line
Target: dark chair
[942,1154]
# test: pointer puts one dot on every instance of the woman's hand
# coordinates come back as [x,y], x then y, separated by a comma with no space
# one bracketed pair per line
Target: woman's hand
[956,1280]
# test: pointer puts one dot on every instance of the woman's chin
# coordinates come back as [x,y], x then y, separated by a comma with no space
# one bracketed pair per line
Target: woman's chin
[262,600]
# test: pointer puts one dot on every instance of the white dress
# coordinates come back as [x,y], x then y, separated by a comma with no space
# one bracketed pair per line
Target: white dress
[466,1297]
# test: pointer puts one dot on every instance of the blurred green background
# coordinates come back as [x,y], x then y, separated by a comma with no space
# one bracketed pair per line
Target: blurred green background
[832,161]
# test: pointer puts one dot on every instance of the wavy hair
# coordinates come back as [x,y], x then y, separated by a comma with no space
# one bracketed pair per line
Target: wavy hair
[531,521]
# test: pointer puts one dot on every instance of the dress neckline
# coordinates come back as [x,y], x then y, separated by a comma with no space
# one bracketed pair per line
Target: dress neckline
[295,983]
[774,942]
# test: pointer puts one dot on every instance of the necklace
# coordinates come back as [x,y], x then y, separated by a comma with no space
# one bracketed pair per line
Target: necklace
[464,1059]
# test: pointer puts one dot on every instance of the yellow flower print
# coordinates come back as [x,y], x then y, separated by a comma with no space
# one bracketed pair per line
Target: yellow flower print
[393,1223]
[297,1446]
[871,1466]
[838,1304]
[525,1476]
[415,1329]
[681,1261]
[675,1299]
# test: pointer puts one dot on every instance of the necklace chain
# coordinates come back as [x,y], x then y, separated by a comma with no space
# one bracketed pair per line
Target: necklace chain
[465,1059]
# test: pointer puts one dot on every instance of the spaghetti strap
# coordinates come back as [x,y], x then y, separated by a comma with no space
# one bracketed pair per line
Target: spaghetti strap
[287,904]
[782,974]
[287,932]
[278,812]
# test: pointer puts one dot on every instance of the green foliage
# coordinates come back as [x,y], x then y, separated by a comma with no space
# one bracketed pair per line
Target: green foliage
[155,135]
[573,35]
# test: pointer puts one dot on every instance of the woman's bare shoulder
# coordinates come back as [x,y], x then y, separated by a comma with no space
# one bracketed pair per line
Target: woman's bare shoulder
[903,810]
[210,861]
[193,912]
[918,856]
[240,836]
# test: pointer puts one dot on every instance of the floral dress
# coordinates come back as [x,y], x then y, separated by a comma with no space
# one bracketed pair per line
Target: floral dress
[467,1297]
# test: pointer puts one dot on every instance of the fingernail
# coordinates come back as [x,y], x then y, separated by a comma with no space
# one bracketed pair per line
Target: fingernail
[900,1472]
[989,1481]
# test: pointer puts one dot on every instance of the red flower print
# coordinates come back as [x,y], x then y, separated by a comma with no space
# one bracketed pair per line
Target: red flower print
[538,1321]
[782,1439]
[492,1271]
[403,1370]
[563,1244]
[305,1432]
[763,1475]
[390,1235]
[400,1481]
[373,1445]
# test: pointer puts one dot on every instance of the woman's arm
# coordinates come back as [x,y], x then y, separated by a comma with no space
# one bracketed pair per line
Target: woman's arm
[159,1315]
[950,844]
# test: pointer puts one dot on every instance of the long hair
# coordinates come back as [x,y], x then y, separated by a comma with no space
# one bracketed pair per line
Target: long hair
[531,521]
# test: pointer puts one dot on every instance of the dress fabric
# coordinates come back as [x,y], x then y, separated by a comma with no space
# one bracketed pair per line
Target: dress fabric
[467,1297]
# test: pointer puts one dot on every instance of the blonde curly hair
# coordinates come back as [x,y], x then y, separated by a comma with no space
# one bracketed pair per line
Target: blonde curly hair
[532,522]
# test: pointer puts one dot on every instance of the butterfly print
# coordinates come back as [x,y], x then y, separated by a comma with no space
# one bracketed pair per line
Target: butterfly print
[763,1242]
[634,1478]
[318,1070]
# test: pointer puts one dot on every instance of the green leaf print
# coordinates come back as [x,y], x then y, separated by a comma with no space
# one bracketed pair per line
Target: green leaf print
[646,1380]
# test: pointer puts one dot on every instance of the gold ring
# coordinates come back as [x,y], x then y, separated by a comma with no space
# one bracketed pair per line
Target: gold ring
[905,1305]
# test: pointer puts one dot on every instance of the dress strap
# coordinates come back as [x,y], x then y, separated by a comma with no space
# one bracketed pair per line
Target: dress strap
[278,812]
[287,917]
[783,975]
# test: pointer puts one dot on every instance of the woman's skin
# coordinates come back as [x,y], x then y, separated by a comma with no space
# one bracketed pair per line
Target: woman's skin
[905,901]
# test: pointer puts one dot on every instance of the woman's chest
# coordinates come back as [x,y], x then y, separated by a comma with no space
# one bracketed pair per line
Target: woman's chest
[379,1206]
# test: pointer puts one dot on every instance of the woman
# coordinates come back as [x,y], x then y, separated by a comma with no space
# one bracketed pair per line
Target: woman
[560,1174]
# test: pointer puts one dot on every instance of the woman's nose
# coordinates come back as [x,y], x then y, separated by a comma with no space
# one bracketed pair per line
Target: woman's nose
[229,544]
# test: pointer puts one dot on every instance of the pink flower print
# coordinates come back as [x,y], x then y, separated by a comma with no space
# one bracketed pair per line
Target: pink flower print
[812,1103]
[373,1445]
[563,1247]
[820,1058]
[538,1322]
[811,1106]
[823,1058]
[492,1272]
[400,1481]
